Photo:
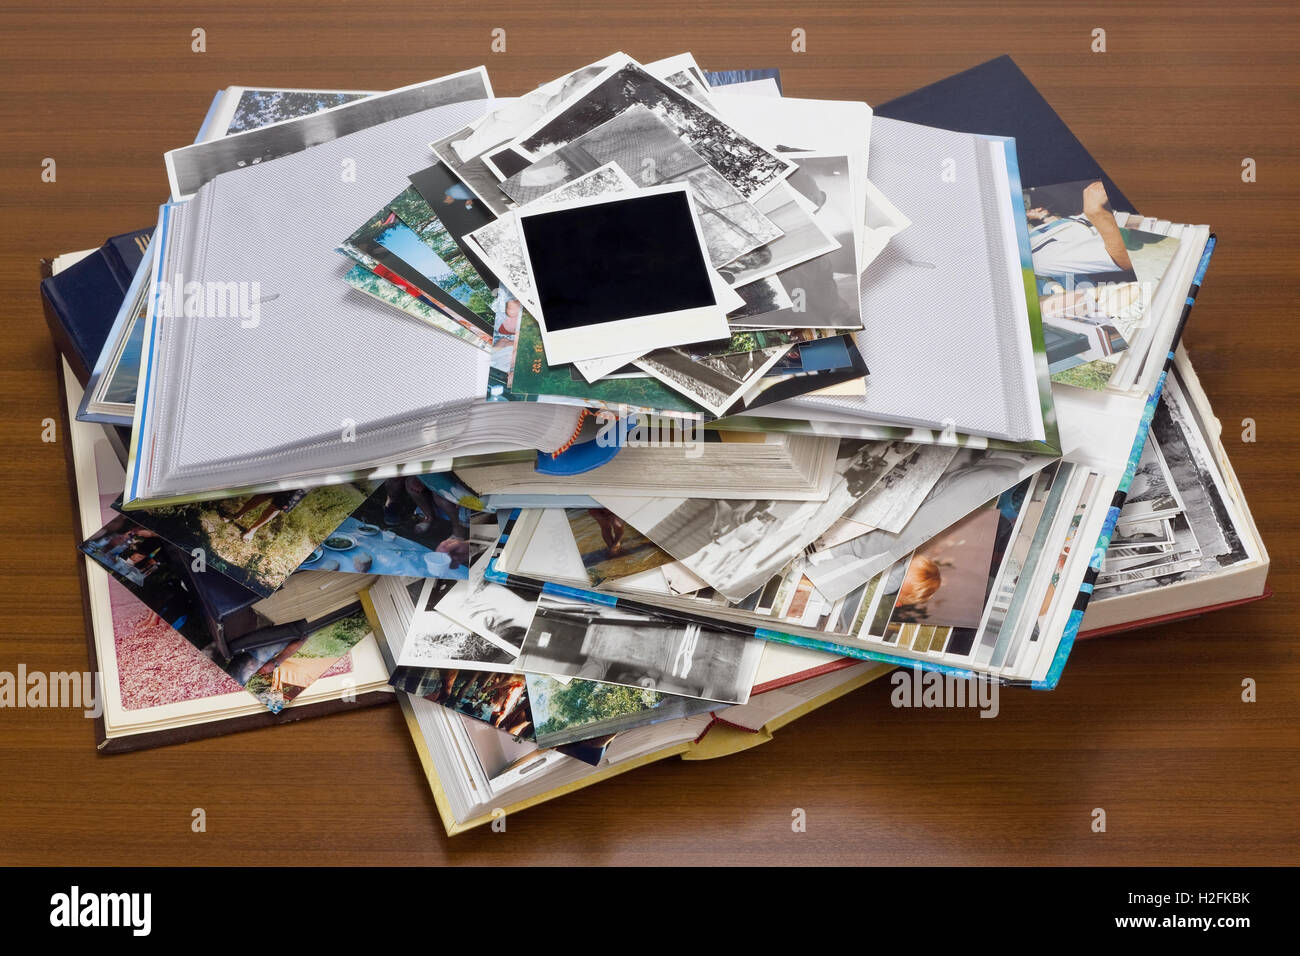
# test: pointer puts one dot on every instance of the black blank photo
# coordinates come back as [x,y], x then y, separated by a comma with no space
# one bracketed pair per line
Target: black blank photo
[616,260]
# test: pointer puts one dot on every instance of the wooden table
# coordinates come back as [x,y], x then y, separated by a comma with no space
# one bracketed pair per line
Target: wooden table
[1149,726]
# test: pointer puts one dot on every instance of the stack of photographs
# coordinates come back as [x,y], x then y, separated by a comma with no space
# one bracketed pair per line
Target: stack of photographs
[649,402]
[1178,523]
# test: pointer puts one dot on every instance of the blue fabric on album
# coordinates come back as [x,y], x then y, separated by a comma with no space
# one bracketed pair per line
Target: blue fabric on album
[82,301]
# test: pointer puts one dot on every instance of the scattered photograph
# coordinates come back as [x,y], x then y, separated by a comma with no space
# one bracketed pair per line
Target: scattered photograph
[1209,519]
[256,540]
[412,526]
[498,699]
[891,504]
[433,261]
[947,576]
[651,153]
[397,292]
[498,612]
[571,711]
[482,182]
[737,546]
[971,478]
[802,238]
[436,641]
[714,381]
[152,572]
[1095,279]
[611,549]
[748,167]
[570,638]
[280,680]
[830,294]
[1151,492]
[499,244]
[190,167]
[434,208]
[717,78]
[514,117]
[761,297]
[258,108]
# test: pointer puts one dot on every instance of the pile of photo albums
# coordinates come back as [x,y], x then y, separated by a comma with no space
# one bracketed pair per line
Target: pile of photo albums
[632,417]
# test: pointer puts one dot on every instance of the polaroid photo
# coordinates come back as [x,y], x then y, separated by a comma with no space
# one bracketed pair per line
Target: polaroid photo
[601,269]
[190,167]
[606,643]
[500,246]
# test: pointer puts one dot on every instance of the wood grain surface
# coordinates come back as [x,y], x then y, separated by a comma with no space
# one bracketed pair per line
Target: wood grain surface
[1149,726]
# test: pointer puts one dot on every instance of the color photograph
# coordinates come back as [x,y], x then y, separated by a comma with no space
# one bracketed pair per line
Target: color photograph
[257,540]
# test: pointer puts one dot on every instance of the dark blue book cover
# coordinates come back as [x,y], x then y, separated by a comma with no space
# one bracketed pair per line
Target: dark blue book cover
[995,98]
[82,301]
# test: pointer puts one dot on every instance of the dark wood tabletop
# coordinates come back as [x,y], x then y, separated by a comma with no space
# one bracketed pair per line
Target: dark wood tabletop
[1149,726]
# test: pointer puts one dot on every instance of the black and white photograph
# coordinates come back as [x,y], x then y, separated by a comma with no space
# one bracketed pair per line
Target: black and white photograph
[499,244]
[1151,492]
[437,642]
[803,238]
[829,283]
[714,381]
[761,297]
[651,153]
[597,266]
[496,611]
[1204,504]
[189,167]
[481,181]
[601,642]
[253,109]
[516,115]
[973,477]
[749,167]
[738,545]
[891,504]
